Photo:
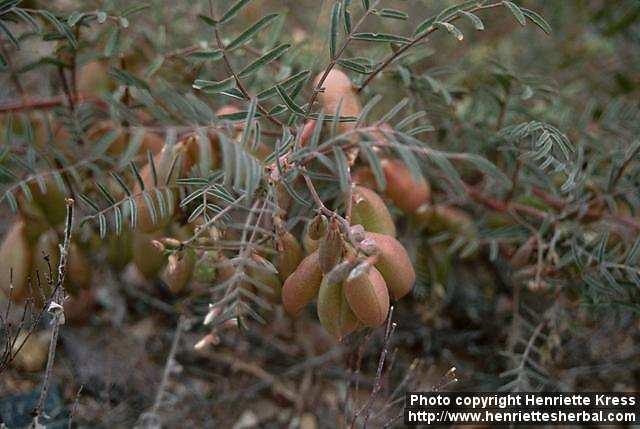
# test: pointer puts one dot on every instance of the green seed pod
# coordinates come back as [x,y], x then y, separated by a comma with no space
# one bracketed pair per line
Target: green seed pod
[371,212]
[368,297]
[301,287]
[334,312]
[394,264]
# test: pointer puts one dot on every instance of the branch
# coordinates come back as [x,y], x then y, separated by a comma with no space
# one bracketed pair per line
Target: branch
[48,103]
[338,54]
[393,56]
[239,83]
[56,308]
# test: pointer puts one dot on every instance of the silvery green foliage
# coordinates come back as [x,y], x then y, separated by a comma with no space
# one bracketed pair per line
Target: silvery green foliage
[545,176]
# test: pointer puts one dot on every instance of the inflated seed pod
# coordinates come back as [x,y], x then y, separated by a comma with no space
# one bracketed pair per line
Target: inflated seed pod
[334,312]
[301,287]
[79,307]
[439,218]
[339,92]
[178,271]
[307,131]
[283,197]
[370,211]
[33,354]
[368,297]
[147,257]
[33,216]
[289,254]
[224,269]
[394,264]
[230,109]
[330,248]
[119,250]
[165,165]
[15,254]
[93,78]
[51,201]
[318,227]
[48,133]
[406,192]
[309,243]
[150,141]
[78,268]
[363,176]
[261,151]
[205,153]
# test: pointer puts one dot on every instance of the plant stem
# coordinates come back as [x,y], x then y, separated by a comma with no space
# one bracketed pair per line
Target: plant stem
[332,63]
[393,56]
[56,307]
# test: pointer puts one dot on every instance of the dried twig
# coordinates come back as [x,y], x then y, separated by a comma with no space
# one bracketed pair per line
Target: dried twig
[151,419]
[56,309]
[366,409]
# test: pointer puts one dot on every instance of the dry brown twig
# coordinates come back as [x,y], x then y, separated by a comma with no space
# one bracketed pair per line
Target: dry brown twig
[365,411]
[151,418]
[56,309]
